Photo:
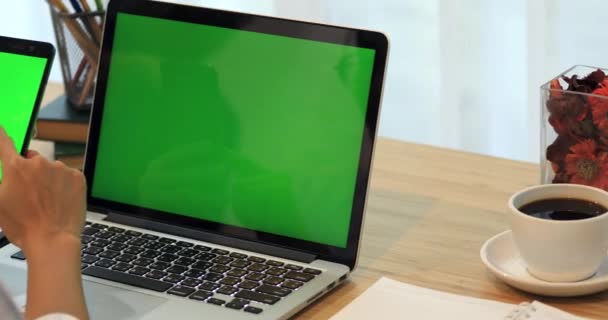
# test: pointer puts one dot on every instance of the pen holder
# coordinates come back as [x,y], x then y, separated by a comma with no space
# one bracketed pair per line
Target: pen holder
[78,41]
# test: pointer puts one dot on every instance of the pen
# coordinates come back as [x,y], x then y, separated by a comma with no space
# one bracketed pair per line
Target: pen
[94,26]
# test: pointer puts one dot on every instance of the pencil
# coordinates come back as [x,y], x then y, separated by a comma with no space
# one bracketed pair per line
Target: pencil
[89,23]
[95,27]
[88,83]
[99,5]
[88,48]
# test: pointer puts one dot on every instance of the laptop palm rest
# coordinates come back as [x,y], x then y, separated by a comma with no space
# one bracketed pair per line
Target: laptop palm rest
[104,302]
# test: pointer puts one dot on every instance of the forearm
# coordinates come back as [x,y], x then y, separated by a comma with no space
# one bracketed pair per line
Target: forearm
[54,280]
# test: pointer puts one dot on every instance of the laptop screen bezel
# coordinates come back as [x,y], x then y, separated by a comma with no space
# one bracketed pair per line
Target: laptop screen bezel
[256,23]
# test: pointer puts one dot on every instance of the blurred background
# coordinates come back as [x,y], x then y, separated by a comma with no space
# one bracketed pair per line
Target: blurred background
[463,74]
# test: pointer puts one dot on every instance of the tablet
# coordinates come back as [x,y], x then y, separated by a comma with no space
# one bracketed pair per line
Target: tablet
[24,71]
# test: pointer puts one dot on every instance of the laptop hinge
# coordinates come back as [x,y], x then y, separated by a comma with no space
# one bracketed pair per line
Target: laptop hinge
[211,237]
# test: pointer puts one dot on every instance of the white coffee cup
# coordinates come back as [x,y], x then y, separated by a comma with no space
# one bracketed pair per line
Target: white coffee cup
[560,251]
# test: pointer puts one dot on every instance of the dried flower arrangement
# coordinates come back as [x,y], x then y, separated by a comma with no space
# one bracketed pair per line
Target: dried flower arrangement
[579,117]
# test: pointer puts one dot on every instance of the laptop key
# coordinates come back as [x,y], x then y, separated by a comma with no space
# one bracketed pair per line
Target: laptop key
[236,273]
[248,284]
[273,280]
[275,263]
[312,271]
[125,258]
[109,254]
[92,250]
[153,245]
[137,242]
[218,268]
[139,271]
[194,273]
[104,235]
[119,247]
[122,238]
[220,252]
[149,236]
[241,264]
[302,277]
[212,277]
[142,262]
[205,256]
[209,286]
[256,259]
[253,310]
[159,265]
[173,278]
[89,231]
[177,269]
[89,259]
[98,226]
[167,240]
[133,233]
[272,290]
[126,278]
[181,291]
[223,260]
[116,230]
[257,296]
[170,249]
[184,244]
[150,254]
[201,295]
[100,243]
[156,274]
[191,282]
[83,266]
[189,253]
[227,290]
[167,257]
[216,301]
[122,267]
[255,276]
[237,255]
[84,239]
[292,284]
[183,261]
[230,281]
[237,304]
[258,267]
[202,265]
[293,267]
[105,263]
[276,271]
[202,248]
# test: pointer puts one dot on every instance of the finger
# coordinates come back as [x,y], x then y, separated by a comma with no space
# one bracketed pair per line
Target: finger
[32,154]
[7,147]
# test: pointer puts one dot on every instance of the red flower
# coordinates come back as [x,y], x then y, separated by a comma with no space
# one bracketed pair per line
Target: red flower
[599,107]
[585,166]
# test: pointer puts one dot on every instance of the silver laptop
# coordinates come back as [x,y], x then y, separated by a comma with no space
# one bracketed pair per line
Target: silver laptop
[228,163]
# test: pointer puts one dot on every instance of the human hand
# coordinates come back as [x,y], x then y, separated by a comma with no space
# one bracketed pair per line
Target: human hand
[41,202]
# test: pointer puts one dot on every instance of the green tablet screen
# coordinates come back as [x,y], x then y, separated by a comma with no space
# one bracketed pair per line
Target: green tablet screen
[20,78]
[246,129]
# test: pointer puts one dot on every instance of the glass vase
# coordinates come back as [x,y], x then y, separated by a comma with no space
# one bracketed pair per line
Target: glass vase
[574,128]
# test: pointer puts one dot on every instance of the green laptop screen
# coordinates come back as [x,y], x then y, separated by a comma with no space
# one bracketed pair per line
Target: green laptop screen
[241,128]
[20,78]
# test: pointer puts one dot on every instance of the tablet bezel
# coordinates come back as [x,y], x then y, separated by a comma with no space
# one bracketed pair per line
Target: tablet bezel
[255,23]
[37,49]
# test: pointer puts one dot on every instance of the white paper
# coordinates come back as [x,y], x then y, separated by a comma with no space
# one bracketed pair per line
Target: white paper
[390,299]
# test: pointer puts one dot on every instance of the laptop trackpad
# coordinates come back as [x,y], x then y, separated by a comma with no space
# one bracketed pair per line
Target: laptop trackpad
[104,302]
[107,302]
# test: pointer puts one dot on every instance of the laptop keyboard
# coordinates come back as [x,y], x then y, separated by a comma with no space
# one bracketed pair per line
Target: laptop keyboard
[183,269]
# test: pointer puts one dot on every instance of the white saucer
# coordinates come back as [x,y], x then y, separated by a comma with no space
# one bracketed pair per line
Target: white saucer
[501,256]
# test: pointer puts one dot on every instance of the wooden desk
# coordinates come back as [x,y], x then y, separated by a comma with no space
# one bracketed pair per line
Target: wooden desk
[429,212]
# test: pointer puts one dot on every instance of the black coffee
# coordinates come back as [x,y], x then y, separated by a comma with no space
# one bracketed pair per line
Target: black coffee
[563,209]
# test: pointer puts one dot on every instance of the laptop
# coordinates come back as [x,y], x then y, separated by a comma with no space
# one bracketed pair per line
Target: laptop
[228,163]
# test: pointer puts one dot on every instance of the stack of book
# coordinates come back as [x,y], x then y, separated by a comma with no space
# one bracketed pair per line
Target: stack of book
[67,128]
